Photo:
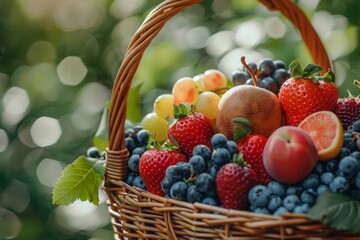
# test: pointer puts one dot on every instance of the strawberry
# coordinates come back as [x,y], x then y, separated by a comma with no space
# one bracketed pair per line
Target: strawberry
[251,148]
[153,164]
[348,109]
[304,93]
[233,183]
[189,130]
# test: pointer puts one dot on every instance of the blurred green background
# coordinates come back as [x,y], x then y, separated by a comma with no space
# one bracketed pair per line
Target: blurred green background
[58,59]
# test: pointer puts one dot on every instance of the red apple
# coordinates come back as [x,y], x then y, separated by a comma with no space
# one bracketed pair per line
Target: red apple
[289,155]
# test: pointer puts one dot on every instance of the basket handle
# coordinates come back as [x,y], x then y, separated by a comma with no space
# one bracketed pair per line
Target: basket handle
[117,155]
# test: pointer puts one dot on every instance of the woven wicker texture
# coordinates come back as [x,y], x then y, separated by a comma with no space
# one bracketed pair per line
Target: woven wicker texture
[137,214]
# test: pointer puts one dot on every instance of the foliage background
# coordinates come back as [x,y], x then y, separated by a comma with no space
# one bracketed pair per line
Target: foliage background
[58,60]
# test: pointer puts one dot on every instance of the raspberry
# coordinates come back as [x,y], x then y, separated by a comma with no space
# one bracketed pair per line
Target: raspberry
[348,111]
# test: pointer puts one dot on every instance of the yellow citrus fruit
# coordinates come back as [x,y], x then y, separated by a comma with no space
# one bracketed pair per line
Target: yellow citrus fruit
[325,129]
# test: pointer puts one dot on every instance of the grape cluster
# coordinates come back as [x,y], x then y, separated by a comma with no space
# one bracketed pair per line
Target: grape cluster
[269,74]
[194,181]
[341,174]
[136,142]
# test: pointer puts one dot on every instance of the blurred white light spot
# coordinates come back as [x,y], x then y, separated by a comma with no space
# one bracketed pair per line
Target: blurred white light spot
[197,37]
[323,23]
[219,43]
[16,196]
[36,8]
[48,172]
[10,225]
[249,34]
[4,140]
[72,15]
[312,5]
[45,131]
[16,103]
[124,8]
[82,215]
[93,97]
[71,70]
[274,27]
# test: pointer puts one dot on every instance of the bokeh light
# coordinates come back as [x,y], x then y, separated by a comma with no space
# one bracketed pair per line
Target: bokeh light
[48,171]
[4,140]
[16,196]
[71,71]
[10,224]
[15,103]
[45,131]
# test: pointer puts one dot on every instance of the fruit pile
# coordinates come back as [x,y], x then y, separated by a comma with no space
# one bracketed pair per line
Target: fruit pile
[271,144]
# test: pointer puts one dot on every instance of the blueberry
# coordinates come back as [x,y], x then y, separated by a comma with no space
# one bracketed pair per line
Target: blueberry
[204,182]
[130,144]
[266,67]
[133,163]
[280,76]
[311,181]
[274,203]
[270,84]
[319,169]
[203,151]
[93,152]
[332,165]
[357,180]
[294,190]
[139,182]
[309,196]
[355,193]
[143,137]
[280,211]
[279,64]
[303,208]
[185,169]
[218,141]
[130,179]
[193,195]
[214,169]
[339,184]
[139,151]
[253,66]
[209,201]
[174,174]
[322,188]
[220,156]
[349,166]
[277,188]
[290,202]
[178,191]
[239,77]
[326,178]
[232,147]
[343,153]
[259,196]
[166,185]
[197,164]
[356,126]
[261,210]
[137,128]
[356,155]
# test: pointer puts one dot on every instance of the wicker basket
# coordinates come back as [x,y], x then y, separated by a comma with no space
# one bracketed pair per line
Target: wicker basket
[137,214]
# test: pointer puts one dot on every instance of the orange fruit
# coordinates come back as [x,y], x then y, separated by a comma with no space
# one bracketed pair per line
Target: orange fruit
[325,129]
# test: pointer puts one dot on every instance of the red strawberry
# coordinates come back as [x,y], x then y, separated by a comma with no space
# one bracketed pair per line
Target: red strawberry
[233,183]
[252,147]
[348,110]
[189,130]
[304,93]
[153,164]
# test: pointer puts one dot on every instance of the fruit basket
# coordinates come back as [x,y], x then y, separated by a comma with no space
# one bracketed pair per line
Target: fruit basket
[138,214]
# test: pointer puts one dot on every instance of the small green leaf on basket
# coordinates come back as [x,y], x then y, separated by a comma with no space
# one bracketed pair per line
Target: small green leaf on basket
[133,110]
[337,211]
[101,136]
[79,180]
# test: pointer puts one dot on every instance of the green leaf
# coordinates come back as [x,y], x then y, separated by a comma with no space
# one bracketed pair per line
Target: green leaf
[101,136]
[310,70]
[240,133]
[79,180]
[295,68]
[337,211]
[133,110]
[329,76]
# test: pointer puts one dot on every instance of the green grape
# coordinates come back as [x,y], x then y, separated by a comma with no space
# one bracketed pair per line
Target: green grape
[213,80]
[156,125]
[199,82]
[207,104]
[164,106]
[185,90]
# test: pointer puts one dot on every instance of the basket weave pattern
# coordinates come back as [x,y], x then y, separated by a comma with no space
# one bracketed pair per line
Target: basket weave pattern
[137,214]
